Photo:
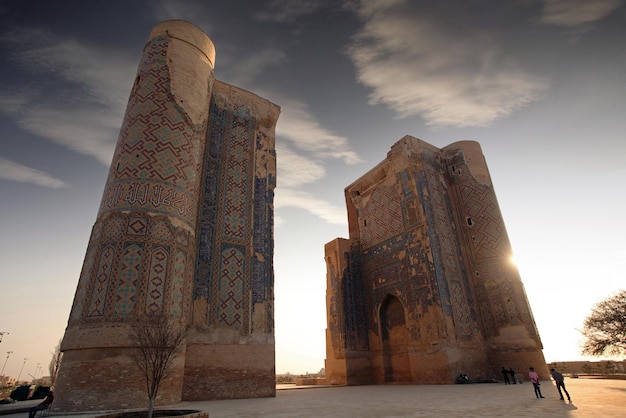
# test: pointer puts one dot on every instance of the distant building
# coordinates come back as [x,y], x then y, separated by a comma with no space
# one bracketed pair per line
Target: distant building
[42,381]
[424,289]
[590,367]
[185,229]
[7,381]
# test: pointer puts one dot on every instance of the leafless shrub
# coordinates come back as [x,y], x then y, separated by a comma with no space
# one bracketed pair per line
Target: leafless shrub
[157,340]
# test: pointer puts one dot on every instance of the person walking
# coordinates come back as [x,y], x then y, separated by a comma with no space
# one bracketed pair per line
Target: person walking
[505,374]
[560,383]
[534,378]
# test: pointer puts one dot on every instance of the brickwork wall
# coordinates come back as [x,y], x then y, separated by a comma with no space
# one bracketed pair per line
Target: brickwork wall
[229,371]
[106,379]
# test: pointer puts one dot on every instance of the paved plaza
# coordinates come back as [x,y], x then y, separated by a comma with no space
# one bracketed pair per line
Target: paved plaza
[590,398]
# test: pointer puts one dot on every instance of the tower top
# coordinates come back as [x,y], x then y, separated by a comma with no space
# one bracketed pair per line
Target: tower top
[189,33]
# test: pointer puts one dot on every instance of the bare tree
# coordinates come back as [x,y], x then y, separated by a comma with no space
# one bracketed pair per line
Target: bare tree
[157,340]
[605,329]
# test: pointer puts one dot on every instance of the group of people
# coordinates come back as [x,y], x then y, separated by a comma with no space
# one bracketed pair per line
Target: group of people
[506,373]
[534,379]
[558,379]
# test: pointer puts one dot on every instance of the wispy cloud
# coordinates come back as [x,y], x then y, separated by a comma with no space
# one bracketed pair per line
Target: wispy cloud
[86,130]
[301,159]
[10,170]
[450,75]
[572,13]
[312,204]
[247,68]
[104,75]
[296,170]
[85,111]
[298,125]
[287,11]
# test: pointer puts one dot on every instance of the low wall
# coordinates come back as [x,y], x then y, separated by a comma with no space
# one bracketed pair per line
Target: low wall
[310,381]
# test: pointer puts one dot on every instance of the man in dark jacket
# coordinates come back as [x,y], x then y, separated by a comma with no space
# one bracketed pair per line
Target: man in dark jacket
[560,383]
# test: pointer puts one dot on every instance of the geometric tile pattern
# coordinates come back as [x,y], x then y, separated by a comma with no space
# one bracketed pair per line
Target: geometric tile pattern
[157,165]
[101,281]
[386,275]
[355,300]
[233,215]
[128,278]
[156,169]
[446,252]
[383,269]
[262,271]
[262,242]
[479,204]
[113,227]
[206,273]
[496,285]
[231,286]
[157,275]
[83,283]
[137,226]
[133,268]
[177,281]
[238,180]
[161,230]
[410,203]
[381,215]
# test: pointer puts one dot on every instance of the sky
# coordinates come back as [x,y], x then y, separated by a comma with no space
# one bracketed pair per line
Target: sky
[540,84]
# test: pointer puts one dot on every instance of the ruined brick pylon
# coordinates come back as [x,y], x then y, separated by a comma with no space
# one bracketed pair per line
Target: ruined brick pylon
[185,228]
[425,289]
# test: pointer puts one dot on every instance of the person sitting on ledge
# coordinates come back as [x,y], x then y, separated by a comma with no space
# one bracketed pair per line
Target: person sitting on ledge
[45,404]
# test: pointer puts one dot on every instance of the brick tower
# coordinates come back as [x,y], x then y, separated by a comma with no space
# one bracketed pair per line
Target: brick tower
[185,229]
[424,289]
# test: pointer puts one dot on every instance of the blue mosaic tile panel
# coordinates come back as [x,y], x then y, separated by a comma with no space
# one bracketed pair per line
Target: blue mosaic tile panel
[128,277]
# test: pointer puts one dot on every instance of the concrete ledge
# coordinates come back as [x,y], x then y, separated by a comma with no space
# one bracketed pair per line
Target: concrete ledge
[18,407]
[158,413]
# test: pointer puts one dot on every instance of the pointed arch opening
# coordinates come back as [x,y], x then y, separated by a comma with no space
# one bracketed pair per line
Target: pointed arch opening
[394,341]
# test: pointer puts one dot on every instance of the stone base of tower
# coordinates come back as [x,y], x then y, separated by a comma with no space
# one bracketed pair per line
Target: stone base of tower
[104,379]
[355,370]
[520,361]
[516,349]
[229,371]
